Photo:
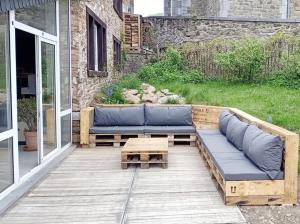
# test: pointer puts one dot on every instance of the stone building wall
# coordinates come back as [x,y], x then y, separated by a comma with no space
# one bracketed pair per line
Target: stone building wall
[84,86]
[265,9]
[258,9]
[295,9]
[177,30]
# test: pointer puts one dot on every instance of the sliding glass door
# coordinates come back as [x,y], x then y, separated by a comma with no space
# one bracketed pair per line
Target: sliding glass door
[47,97]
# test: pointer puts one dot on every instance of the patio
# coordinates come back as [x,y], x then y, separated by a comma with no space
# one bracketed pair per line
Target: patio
[90,187]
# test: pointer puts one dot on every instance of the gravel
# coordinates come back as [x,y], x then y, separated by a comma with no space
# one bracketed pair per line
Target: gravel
[286,214]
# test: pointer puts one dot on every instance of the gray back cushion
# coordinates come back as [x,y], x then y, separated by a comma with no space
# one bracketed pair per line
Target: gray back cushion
[169,116]
[127,116]
[266,152]
[223,121]
[251,133]
[235,132]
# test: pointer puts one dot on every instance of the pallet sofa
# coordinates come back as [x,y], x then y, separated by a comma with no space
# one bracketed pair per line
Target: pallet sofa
[113,125]
[251,161]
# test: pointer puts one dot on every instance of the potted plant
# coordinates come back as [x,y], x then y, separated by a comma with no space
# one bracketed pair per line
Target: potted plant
[27,113]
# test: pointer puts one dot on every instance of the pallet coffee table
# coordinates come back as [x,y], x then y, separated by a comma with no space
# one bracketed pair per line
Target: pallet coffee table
[145,151]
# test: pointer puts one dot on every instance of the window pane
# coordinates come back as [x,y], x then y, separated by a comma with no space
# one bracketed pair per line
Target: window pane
[42,17]
[48,97]
[65,130]
[5,107]
[6,164]
[64,41]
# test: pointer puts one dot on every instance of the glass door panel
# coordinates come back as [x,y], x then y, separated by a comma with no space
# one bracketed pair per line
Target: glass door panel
[48,98]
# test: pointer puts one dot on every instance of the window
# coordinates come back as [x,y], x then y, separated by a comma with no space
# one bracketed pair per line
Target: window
[117,52]
[118,6]
[97,51]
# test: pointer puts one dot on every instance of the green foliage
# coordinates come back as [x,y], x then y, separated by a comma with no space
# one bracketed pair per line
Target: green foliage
[170,68]
[244,62]
[112,94]
[289,74]
[27,112]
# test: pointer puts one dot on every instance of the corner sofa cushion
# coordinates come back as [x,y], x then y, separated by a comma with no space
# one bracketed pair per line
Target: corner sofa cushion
[223,121]
[169,129]
[266,152]
[235,132]
[251,133]
[168,116]
[127,116]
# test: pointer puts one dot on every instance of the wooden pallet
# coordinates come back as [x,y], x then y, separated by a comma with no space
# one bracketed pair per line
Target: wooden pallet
[145,152]
[145,159]
[176,139]
[115,140]
[118,140]
[250,192]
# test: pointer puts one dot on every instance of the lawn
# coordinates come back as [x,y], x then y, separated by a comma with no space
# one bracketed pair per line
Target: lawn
[262,101]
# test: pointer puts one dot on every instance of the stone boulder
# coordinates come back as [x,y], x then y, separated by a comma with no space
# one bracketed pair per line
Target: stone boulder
[147,88]
[171,99]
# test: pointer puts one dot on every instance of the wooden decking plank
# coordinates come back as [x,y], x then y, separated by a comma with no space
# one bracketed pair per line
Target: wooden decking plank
[90,187]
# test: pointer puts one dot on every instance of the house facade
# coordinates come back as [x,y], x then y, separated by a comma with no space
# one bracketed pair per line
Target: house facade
[54,57]
[258,9]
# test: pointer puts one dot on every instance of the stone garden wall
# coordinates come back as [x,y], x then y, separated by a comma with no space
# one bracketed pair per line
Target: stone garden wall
[177,30]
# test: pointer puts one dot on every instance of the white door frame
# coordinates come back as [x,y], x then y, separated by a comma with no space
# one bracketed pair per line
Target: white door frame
[13,132]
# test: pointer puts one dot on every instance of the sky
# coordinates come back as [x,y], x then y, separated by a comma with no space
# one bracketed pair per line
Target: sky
[148,7]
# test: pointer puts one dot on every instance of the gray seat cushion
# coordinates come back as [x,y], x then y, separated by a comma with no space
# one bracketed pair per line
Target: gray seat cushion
[169,129]
[223,121]
[168,116]
[266,152]
[127,116]
[117,130]
[251,133]
[241,169]
[235,132]
[215,142]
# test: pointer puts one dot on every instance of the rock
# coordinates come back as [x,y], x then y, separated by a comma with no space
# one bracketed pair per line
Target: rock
[159,94]
[148,88]
[149,98]
[130,91]
[132,96]
[135,99]
[171,99]
[166,92]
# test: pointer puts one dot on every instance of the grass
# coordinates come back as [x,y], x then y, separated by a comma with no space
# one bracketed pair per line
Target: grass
[262,101]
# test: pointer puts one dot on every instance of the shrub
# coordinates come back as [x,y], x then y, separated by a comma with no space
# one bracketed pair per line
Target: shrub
[170,68]
[289,74]
[244,62]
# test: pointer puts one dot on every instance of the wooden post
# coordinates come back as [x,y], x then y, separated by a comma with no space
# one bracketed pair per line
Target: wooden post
[50,121]
[86,122]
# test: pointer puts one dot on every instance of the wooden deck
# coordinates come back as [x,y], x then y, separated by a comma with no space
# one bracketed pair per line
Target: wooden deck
[90,187]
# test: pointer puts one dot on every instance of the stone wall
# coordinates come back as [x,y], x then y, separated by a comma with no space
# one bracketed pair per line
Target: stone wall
[268,9]
[295,9]
[134,61]
[84,86]
[258,9]
[177,30]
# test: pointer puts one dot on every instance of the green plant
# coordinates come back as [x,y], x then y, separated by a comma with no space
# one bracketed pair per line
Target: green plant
[112,94]
[289,74]
[244,61]
[171,67]
[27,112]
